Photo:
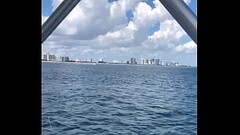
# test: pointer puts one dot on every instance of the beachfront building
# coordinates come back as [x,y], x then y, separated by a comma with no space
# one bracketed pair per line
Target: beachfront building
[157,61]
[145,62]
[133,61]
[64,59]
[48,57]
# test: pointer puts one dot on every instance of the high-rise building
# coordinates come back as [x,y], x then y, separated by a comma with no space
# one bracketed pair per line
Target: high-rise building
[89,60]
[52,58]
[151,61]
[64,59]
[44,57]
[145,62]
[133,61]
[48,57]
[142,61]
[157,61]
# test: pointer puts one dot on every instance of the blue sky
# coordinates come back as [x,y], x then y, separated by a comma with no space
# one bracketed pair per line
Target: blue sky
[182,45]
[47,6]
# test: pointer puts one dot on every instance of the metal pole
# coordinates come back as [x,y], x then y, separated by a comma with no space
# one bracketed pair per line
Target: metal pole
[57,17]
[183,15]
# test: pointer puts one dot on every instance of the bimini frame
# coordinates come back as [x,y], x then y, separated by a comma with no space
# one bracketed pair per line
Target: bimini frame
[177,8]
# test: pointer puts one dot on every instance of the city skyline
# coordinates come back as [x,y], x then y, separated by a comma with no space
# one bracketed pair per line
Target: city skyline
[119,30]
[131,61]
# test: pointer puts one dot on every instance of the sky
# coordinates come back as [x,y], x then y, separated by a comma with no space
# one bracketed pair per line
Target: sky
[119,30]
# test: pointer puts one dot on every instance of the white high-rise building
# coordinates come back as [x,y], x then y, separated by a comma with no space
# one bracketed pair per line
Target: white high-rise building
[44,57]
[48,57]
[52,58]
[146,62]
[152,61]
[142,61]
[149,62]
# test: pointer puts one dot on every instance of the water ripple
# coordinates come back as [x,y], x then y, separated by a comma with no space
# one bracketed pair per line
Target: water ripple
[118,100]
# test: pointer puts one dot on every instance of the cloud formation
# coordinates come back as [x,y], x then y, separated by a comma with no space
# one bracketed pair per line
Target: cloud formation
[103,29]
[189,47]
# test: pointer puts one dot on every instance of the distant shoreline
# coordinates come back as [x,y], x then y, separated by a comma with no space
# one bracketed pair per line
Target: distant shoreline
[122,64]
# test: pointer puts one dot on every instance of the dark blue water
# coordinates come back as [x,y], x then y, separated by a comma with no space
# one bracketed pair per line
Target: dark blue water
[118,100]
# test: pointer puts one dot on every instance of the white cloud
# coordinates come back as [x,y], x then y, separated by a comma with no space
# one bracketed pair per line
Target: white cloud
[96,28]
[136,31]
[145,16]
[189,47]
[164,40]
[170,31]
[123,37]
[91,18]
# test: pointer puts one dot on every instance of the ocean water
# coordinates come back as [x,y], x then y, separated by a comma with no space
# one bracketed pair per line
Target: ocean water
[118,100]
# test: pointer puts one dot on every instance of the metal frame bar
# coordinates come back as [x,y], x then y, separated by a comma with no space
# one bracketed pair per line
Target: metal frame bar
[183,15]
[177,8]
[57,17]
